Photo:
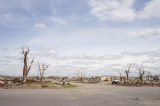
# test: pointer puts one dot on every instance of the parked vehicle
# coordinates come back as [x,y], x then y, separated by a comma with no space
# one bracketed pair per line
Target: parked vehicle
[115,81]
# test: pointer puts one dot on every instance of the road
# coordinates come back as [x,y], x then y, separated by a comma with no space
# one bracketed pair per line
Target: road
[85,95]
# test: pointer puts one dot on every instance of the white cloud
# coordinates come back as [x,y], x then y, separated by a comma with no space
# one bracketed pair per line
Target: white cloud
[11,19]
[89,64]
[150,10]
[58,21]
[112,9]
[123,10]
[109,63]
[40,25]
[52,51]
[150,53]
[6,18]
[145,33]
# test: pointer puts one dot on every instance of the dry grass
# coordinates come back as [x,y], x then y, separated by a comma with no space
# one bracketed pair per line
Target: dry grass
[141,83]
[34,84]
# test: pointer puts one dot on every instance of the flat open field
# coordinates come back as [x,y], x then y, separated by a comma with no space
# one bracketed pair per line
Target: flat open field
[85,95]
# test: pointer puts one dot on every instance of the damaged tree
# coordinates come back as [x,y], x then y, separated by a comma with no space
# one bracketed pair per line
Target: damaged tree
[120,76]
[141,73]
[26,67]
[127,72]
[81,77]
[42,68]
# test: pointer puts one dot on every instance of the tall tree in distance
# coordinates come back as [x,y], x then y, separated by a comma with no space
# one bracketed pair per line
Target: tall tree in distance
[127,72]
[42,68]
[27,65]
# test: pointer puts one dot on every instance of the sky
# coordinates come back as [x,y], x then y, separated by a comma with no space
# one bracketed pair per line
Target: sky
[93,37]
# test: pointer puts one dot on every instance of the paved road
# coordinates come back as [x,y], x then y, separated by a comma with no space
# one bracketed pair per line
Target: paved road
[86,95]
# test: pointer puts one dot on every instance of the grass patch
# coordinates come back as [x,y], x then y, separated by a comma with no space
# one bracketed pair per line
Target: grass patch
[40,85]
[69,86]
[44,86]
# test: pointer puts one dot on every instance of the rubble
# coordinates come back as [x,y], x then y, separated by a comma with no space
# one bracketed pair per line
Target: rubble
[2,83]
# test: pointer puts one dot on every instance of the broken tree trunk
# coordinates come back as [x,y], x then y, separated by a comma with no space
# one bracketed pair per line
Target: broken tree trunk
[127,72]
[26,67]
[141,73]
[42,68]
[120,76]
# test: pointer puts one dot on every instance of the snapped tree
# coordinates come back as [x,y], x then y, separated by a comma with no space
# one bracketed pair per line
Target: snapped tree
[141,73]
[127,72]
[42,68]
[120,76]
[27,65]
[80,76]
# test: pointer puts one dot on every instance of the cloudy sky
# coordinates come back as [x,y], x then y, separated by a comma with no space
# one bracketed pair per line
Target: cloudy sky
[94,37]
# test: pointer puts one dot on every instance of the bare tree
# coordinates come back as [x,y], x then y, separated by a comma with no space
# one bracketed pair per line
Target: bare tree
[148,75]
[141,72]
[27,65]
[127,72]
[81,77]
[42,68]
[120,76]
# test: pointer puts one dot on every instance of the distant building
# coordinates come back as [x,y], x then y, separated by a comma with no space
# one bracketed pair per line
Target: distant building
[106,78]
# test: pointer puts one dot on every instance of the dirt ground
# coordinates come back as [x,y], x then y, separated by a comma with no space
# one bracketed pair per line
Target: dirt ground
[84,95]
